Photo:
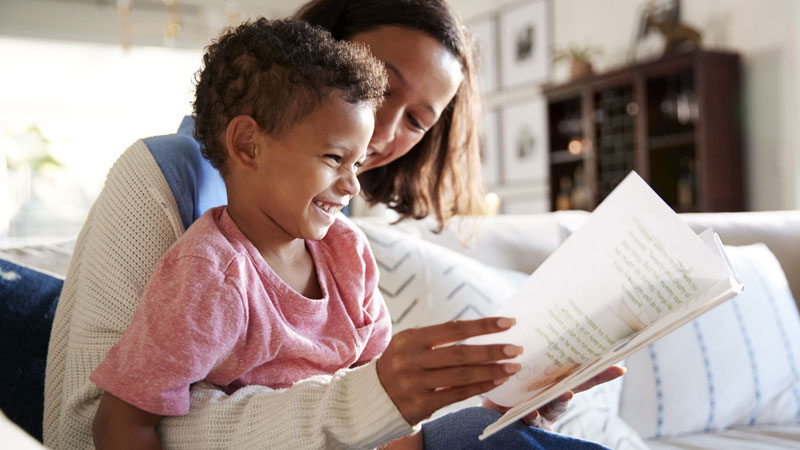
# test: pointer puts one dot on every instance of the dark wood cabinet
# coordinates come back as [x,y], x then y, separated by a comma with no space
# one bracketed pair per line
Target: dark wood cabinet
[675,120]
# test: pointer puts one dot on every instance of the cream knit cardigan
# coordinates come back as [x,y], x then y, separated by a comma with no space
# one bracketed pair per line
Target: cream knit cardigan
[131,225]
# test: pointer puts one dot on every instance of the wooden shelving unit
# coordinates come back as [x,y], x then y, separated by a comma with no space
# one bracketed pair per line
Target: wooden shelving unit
[676,121]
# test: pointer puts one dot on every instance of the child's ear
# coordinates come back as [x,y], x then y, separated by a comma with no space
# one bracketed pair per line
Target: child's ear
[241,140]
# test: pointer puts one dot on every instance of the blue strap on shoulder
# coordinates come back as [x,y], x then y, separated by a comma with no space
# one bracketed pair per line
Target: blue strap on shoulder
[195,183]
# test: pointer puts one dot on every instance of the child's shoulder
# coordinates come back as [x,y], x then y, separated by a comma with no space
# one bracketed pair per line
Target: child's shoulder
[205,239]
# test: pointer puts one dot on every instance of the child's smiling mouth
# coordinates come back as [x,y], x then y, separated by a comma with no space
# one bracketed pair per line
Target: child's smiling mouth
[328,207]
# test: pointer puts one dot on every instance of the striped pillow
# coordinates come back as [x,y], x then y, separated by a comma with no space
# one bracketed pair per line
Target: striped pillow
[736,365]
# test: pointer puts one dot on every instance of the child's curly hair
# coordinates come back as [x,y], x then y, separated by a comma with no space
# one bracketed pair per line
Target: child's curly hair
[277,72]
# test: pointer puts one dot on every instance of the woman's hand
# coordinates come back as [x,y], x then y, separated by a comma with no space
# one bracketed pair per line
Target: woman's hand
[421,373]
[547,415]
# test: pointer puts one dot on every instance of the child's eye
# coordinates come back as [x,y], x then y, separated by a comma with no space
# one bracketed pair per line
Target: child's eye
[335,158]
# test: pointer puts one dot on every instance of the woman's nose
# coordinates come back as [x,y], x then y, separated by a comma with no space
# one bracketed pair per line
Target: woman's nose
[387,119]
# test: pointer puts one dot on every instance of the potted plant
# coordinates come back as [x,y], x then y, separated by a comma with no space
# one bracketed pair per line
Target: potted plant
[579,57]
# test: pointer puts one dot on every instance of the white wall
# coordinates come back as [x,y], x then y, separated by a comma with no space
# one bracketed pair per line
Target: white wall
[765,33]
[796,101]
[98,21]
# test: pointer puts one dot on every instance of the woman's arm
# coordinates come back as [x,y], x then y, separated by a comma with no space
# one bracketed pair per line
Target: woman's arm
[129,228]
[363,407]
[118,425]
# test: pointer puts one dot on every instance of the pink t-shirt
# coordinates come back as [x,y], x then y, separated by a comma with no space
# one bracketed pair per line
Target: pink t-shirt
[215,311]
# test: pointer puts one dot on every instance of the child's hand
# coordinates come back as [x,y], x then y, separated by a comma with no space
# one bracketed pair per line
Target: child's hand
[421,373]
[119,425]
[547,415]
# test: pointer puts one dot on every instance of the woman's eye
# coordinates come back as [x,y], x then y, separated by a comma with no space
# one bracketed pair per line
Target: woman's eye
[415,123]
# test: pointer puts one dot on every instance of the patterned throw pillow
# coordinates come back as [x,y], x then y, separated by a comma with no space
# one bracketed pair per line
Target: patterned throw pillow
[425,284]
[735,365]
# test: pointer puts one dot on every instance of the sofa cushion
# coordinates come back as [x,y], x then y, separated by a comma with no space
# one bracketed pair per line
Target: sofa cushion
[779,230]
[424,283]
[27,305]
[13,437]
[736,365]
[517,243]
[744,437]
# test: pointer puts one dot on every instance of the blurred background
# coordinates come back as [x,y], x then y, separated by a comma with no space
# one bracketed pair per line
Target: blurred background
[700,97]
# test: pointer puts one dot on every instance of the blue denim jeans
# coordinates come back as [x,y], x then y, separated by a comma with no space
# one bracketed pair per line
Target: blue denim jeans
[460,430]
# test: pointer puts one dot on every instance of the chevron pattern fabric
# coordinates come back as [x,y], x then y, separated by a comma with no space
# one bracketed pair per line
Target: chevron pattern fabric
[424,283]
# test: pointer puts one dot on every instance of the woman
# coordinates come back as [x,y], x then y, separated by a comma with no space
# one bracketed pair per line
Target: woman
[423,160]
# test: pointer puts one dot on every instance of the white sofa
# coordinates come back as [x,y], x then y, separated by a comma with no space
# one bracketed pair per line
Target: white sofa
[428,278]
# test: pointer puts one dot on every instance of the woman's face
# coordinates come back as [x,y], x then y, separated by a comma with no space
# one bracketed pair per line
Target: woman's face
[423,78]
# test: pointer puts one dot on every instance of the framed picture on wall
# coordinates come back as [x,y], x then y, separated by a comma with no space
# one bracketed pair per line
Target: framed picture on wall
[525,43]
[484,34]
[524,137]
[490,149]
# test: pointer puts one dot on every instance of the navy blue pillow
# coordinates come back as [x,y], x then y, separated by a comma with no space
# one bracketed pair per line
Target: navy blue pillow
[27,305]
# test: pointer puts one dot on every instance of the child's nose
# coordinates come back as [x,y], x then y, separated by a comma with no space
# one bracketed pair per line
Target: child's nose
[349,184]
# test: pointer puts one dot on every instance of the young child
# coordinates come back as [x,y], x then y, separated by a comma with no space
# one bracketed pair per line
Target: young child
[272,288]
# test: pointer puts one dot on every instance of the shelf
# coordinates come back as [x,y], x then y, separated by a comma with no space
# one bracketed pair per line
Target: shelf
[631,118]
[564,156]
[671,140]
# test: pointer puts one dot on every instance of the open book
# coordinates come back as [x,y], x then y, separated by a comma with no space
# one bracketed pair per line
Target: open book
[633,272]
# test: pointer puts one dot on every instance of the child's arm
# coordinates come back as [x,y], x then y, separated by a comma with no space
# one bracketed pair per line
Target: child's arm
[120,425]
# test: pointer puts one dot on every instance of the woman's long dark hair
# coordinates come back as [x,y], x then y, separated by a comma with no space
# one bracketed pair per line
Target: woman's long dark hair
[441,175]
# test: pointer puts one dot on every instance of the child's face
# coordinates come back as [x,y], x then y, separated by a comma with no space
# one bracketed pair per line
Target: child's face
[308,174]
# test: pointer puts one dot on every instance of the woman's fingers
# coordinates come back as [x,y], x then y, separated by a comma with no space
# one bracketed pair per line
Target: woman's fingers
[461,355]
[554,409]
[545,416]
[603,377]
[466,375]
[448,396]
[458,330]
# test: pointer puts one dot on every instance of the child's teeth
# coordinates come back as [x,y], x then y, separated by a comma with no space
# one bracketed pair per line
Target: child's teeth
[323,206]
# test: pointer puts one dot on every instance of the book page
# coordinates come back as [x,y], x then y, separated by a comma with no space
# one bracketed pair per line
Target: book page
[636,342]
[632,262]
